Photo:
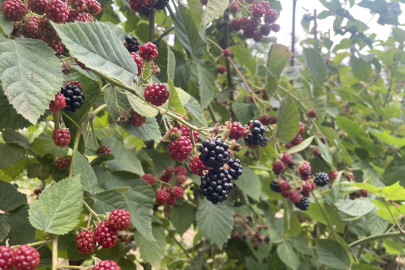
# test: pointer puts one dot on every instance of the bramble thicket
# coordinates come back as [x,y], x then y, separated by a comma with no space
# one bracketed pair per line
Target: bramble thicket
[181,134]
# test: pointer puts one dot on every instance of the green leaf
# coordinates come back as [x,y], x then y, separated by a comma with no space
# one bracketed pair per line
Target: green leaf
[300,246]
[108,200]
[366,186]
[361,69]
[10,136]
[399,34]
[88,178]
[288,256]
[125,160]
[251,264]
[356,208]
[393,247]
[152,251]
[316,213]
[142,107]
[277,59]
[394,171]
[58,207]
[244,56]
[207,74]
[288,120]
[351,128]
[174,101]
[182,216]
[213,10]
[5,226]
[325,152]
[171,64]
[30,75]
[267,153]
[215,222]
[301,146]
[375,223]
[5,23]
[243,112]
[388,139]
[195,109]
[291,225]
[332,254]
[394,192]
[126,264]
[320,107]
[250,183]
[315,65]
[147,132]
[9,118]
[98,47]
[10,198]
[21,231]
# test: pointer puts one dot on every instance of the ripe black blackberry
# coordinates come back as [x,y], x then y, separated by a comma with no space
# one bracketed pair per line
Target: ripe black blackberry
[235,168]
[74,97]
[147,10]
[321,179]
[216,185]
[256,136]
[132,44]
[303,204]
[161,4]
[275,187]
[214,154]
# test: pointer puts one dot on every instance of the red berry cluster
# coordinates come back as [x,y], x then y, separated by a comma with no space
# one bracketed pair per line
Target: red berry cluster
[258,23]
[139,62]
[221,69]
[312,113]
[180,148]
[305,171]
[85,242]
[150,179]
[136,119]
[197,166]
[148,51]
[62,164]
[103,150]
[156,93]
[169,195]
[268,119]
[119,219]
[298,139]
[185,131]
[61,137]
[237,131]
[26,258]
[58,104]
[107,265]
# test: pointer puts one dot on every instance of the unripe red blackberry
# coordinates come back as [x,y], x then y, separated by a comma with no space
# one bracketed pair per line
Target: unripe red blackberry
[172,200]
[170,170]
[37,191]
[178,192]
[237,131]
[103,150]
[105,235]
[271,16]
[139,62]
[58,104]
[181,179]
[136,119]
[275,27]
[120,219]
[288,145]
[278,167]
[7,258]
[85,242]
[181,149]
[234,7]
[93,7]
[312,113]
[26,258]
[227,53]
[236,25]
[297,140]
[316,152]
[78,5]
[37,6]
[55,44]
[150,179]
[46,29]
[61,137]
[308,187]
[107,265]
[57,11]
[166,178]
[15,10]
[197,167]
[306,193]
[305,170]
[76,16]
[136,5]
[295,196]
[268,119]
[332,175]
[351,176]
[302,128]
[62,164]
[180,171]
[364,193]
[286,194]
[148,51]
[185,131]
[287,158]
[162,196]
[285,186]
[30,28]
[221,69]
[156,93]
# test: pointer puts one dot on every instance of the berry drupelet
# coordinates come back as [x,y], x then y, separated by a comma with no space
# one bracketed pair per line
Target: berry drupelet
[74,97]
[216,185]
[214,154]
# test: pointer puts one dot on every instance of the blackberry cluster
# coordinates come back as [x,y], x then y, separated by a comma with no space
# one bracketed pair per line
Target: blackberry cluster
[321,179]
[214,154]
[274,186]
[162,196]
[235,169]
[132,44]
[147,10]
[74,97]
[161,4]
[216,185]
[256,136]
[303,204]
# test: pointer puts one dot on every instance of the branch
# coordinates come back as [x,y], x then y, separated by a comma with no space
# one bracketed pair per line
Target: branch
[164,34]
[393,217]
[55,253]
[376,237]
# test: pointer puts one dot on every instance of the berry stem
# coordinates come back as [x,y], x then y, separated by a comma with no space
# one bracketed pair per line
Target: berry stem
[75,146]
[71,120]
[56,119]
[162,182]
[91,211]
[164,34]
[261,168]
[40,243]
[393,217]
[94,133]
[55,253]
[94,113]
[326,218]
[89,221]
[240,4]
[376,237]
[85,115]
[182,248]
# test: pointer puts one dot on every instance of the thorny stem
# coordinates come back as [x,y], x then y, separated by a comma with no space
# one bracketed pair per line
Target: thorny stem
[91,211]
[71,120]
[55,253]
[83,119]
[376,237]
[326,218]
[164,34]
[95,112]
[40,243]
[56,119]
[89,221]
[261,168]
[182,248]
[393,217]
[162,182]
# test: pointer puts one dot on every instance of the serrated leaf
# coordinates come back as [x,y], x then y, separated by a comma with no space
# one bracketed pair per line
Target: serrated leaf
[215,222]
[108,200]
[356,208]
[125,160]
[10,198]
[5,226]
[244,55]
[243,112]
[100,159]
[142,107]
[288,256]
[58,207]
[393,247]
[249,183]
[147,132]
[88,177]
[332,254]
[301,146]
[375,223]
[174,101]
[288,120]
[9,118]
[10,136]
[171,64]
[315,65]
[388,139]
[213,10]
[5,23]
[98,47]
[320,107]
[315,212]
[182,216]
[30,75]
[366,186]
[152,251]
[195,109]
[21,231]
[207,75]
[278,57]
[325,152]
[394,192]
